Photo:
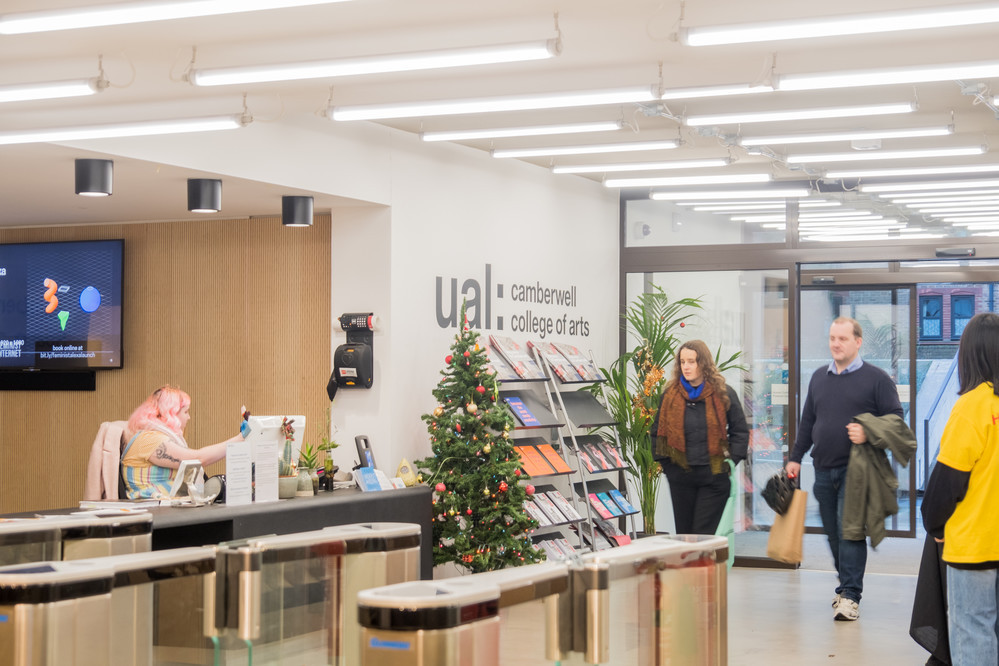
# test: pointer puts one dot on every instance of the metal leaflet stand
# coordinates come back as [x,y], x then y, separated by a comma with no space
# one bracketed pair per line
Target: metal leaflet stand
[622,476]
[549,389]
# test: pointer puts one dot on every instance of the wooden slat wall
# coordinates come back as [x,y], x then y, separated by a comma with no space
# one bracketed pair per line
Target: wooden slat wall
[232,311]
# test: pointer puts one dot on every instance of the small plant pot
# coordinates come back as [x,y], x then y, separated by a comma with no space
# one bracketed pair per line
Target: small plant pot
[304,488]
[287,486]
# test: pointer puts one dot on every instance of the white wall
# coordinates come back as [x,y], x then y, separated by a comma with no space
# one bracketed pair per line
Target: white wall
[424,210]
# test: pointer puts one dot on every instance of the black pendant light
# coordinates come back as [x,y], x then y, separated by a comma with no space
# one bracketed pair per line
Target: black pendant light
[296,211]
[93,177]
[204,195]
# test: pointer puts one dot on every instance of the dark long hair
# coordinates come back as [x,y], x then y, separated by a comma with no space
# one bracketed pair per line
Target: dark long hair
[978,354]
[706,364]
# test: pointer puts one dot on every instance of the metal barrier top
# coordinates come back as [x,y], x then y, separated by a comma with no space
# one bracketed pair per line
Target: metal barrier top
[49,582]
[427,605]
[65,527]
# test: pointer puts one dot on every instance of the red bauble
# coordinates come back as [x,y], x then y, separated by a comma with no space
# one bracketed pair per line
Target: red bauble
[467,353]
[440,487]
[682,324]
[517,472]
[457,426]
[469,512]
[529,490]
[503,486]
[447,359]
[480,388]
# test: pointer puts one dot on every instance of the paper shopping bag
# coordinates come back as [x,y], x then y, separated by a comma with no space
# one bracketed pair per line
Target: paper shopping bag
[788,531]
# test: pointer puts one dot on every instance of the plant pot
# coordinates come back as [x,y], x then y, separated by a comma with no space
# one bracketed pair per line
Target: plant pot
[314,476]
[287,486]
[304,484]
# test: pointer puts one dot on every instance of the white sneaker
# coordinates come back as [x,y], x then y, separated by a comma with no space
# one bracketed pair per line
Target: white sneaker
[836,601]
[847,609]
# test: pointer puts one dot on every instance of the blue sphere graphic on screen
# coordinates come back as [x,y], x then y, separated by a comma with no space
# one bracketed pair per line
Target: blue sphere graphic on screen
[90,299]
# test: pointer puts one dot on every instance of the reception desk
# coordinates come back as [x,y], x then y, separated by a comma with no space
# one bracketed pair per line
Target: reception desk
[179,527]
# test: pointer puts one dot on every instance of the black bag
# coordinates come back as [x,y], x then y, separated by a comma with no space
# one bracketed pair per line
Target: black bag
[778,492]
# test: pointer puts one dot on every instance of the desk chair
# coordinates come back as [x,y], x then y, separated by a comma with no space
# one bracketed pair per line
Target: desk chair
[104,466]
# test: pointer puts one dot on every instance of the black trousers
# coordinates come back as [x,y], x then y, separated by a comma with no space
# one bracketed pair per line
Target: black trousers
[699,497]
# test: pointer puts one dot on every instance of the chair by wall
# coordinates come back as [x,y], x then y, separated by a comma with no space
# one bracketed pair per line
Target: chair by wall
[104,466]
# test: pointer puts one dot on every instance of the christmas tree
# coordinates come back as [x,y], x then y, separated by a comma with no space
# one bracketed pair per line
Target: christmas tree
[479,518]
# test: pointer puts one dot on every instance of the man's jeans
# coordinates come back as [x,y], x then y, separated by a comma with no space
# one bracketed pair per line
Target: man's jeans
[972,597]
[850,557]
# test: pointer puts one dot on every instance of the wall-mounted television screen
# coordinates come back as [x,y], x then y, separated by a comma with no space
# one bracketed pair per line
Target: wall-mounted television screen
[60,305]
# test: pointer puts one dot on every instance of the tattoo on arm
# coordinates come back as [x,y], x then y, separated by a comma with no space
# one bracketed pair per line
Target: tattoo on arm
[162,454]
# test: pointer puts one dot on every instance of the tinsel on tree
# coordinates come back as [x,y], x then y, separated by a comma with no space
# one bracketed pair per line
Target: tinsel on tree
[478,503]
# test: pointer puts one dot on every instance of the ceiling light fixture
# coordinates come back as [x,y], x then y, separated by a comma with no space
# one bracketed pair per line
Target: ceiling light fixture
[642,166]
[848,135]
[378,64]
[204,195]
[704,195]
[873,155]
[980,195]
[492,104]
[851,24]
[296,211]
[915,171]
[536,130]
[136,12]
[667,181]
[545,151]
[50,90]
[928,186]
[937,211]
[871,237]
[889,76]
[750,207]
[799,114]
[141,128]
[715,91]
[94,177]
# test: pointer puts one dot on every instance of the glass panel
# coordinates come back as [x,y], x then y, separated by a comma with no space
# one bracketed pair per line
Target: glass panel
[662,223]
[744,311]
[884,317]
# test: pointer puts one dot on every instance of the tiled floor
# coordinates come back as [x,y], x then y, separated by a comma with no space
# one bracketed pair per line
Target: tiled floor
[785,616]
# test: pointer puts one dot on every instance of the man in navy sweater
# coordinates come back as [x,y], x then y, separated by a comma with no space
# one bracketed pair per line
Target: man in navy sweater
[836,394]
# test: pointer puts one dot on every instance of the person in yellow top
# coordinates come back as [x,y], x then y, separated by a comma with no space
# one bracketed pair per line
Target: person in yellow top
[962,498]
[156,445]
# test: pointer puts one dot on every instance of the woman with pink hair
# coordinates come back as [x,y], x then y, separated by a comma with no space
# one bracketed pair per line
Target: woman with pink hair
[156,444]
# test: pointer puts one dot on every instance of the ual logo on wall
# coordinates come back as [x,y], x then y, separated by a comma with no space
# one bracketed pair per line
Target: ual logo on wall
[529,307]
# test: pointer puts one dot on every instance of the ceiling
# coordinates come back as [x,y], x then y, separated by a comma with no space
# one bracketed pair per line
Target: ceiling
[604,45]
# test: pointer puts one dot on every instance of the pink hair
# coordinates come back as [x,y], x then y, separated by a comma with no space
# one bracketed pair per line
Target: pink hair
[163,407]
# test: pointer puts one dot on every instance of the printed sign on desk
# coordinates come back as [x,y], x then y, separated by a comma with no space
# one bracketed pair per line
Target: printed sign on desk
[238,473]
[521,411]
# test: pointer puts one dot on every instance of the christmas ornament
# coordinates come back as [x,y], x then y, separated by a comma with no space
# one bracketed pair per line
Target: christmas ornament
[440,487]
[529,490]
[439,411]
[487,448]
[485,491]
[447,359]
[480,388]
[516,472]
[457,426]
[467,353]
[469,512]
[471,408]
[503,486]
[682,324]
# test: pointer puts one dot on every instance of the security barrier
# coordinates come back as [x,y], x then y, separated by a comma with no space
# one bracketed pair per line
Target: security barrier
[73,537]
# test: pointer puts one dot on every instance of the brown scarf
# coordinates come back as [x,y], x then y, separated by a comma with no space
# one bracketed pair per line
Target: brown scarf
[670,441]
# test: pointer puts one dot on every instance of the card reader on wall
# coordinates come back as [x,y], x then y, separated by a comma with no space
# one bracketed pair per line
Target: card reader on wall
[353,363]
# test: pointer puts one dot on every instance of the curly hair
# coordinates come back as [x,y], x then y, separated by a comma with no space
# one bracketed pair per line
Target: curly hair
[162,407]
[706,364]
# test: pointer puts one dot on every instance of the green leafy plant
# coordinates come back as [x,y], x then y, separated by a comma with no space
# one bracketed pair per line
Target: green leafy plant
[308,457]
[327,444]
[634,386]
[286,464]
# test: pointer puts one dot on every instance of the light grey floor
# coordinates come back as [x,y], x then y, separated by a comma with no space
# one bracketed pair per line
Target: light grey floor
[785,616]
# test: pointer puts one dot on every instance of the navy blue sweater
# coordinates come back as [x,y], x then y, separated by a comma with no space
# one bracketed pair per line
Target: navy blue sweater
[832,402]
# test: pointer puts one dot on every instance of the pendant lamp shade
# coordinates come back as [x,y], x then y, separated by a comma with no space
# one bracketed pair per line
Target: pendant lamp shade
[296,211]
[204,195]
[93,177]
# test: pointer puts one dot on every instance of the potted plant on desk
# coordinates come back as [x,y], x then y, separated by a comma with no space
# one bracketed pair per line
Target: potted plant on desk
[287,465]
[326,445]
[308,466]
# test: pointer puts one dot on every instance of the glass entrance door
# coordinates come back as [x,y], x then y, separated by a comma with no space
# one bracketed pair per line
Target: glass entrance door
[885,312]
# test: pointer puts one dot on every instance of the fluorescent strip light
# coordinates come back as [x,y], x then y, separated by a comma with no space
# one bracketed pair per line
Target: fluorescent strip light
[536,130]
[790,192]
[873,155]
[715,91]
[799,114]
[688,180]
[821,137]
[378,64]
[142,128]
[488,104]
[828,26]
[641,166]
[748,207]
[880,222]
[978,225]
[911,201]
[593,149]
[136,12]
[868,237]
[957,209]
[890,76]
[840,217]
[962,220]
[48,90]
[765,202]
[915,171]
[961,215]
[928,186]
